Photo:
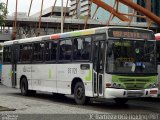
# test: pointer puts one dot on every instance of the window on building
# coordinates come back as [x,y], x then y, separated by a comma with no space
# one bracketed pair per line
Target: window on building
[155,7]
[143,4]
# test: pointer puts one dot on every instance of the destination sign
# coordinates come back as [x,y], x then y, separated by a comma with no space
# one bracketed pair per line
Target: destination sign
[130,33]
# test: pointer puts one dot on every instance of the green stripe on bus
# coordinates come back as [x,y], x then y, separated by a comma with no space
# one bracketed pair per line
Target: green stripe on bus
[75,34]
[10,73]
[88,77]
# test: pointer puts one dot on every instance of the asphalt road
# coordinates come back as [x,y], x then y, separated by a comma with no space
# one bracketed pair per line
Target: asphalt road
[46,104]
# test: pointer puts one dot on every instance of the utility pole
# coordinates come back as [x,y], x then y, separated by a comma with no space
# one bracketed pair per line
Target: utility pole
[61,16]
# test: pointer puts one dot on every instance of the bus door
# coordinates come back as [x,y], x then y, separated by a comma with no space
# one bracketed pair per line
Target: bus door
[15,49]
[98,67]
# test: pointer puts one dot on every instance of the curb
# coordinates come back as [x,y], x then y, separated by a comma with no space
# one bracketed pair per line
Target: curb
[6,109]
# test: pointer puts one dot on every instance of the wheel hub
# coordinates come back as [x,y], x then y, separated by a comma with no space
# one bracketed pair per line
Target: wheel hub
[80,93]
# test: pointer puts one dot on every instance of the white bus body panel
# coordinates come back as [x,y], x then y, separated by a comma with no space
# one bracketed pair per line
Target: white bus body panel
[67,72]
[44,77]
[55,77]
[6,75]
[25,70]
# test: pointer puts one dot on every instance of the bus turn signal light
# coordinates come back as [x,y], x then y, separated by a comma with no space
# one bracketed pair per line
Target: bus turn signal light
[108,85]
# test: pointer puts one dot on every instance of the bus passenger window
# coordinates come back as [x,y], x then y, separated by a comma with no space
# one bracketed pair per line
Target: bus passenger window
[65,50]
[158,53]
[38,51]
[87,48]
[54,50]
[82,48]
[50,51]
[47,51]
[7,54]
[77,46]
[62,50]
[25,52]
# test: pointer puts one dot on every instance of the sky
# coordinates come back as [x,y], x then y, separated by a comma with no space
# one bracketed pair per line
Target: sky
[23,5]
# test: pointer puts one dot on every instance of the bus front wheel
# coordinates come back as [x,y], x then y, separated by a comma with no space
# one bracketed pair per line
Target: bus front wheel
[79,94]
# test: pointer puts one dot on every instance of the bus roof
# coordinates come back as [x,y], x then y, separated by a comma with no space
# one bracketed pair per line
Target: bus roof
[157,36]
[65,35]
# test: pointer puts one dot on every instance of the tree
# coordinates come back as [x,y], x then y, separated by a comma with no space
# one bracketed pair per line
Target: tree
[3,13]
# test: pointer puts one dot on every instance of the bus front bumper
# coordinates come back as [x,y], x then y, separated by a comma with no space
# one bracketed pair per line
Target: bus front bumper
[122,93]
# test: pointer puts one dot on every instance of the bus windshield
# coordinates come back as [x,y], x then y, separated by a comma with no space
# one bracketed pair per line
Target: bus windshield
[131,56]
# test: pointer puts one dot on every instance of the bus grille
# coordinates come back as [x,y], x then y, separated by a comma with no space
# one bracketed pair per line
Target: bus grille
[134,84]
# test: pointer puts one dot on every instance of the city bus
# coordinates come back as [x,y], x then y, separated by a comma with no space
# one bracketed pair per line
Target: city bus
[102,63]
[157,36]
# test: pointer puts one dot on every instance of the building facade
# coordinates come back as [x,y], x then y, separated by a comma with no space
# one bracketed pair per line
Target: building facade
[79,8]
[151,5]
[101,15]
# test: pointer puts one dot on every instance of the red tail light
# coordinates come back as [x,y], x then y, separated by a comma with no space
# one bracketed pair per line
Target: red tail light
[108,85]
[153,91]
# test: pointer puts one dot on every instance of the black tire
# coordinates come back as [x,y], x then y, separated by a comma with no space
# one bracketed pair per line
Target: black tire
[121,101]
[79,94]
[24,87]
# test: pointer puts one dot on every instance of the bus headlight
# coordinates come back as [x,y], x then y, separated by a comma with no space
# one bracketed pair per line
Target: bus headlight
[154,85]
[114,85]
[118,86]
[150,86]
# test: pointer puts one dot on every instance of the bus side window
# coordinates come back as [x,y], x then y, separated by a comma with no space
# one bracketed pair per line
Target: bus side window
[50,51]
[65,50]
[47,51]
[82,48]
[77,47]
[25,52]
[54,50]
[87,48]
[20,53]
[61,50]
[158,53]
[38,51]
[7,54]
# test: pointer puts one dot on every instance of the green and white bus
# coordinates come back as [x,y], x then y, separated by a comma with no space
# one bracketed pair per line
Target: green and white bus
[107,62]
